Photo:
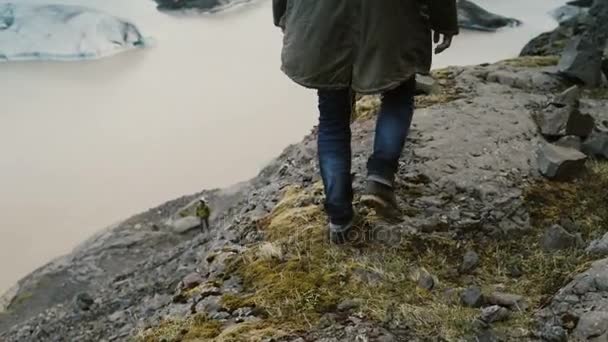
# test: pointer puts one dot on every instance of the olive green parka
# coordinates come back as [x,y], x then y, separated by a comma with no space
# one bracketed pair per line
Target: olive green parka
[368,45]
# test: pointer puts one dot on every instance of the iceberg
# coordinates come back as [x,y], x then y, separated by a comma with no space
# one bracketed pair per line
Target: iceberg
[210,6]
[63,33]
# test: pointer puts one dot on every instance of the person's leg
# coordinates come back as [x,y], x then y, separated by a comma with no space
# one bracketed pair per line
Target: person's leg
[335,154]
[392,128]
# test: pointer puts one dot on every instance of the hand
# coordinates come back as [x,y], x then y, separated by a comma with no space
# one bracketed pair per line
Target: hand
[446,41]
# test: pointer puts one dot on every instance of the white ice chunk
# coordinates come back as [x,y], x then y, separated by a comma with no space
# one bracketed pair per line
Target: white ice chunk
[62,32]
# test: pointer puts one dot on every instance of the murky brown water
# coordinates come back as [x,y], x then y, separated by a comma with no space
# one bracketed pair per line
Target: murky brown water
[84,145]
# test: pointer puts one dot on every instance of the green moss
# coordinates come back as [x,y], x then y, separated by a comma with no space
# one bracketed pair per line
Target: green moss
[532,61]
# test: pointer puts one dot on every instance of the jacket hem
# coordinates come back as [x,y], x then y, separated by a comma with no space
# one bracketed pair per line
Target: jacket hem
[363,91]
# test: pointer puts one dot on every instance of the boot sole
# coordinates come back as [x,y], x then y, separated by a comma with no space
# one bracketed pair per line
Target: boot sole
[382,207]
[341,237]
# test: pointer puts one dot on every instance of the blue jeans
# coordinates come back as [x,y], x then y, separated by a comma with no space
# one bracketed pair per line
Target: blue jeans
[334,140]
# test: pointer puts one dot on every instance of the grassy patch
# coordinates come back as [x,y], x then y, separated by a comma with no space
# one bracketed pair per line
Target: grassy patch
[368,106]
[196,328]
[249,332]
[448,91]
[583,201]
[295,276]
[532,61]
[311,277]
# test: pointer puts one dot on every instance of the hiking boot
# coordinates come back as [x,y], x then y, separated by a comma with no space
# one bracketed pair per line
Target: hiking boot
[338,233]
[382,198]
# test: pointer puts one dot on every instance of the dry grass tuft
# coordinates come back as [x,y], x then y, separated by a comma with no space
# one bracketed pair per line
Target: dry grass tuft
[196,328]
[532,61]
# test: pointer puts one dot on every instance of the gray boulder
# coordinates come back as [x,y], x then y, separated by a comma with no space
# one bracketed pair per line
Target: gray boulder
[582,62]
[472,297]
[570,141]
[569,97]
[425,84]
[592,326]
[557,238]
[558,120]
[473,17]
[597,144]
[560,163]
[567,12]
[598,247]
[554,333]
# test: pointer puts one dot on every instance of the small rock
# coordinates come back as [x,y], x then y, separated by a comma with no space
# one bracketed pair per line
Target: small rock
[510,301]
[426,84]
[514,271]
[191,281]
[84,301]
[470,261]
[208,290]
[348,304]
[423,278]
[486,335]
[560,163]
[554,334]
[472,297]
[220,316]
[591,324]
[368,276]
[582,61]
[598,247]
[327,320]
[597,144]
[494,313]
[117,316]
[569,97]
[570,141]
[451,296]
[557,238]
[234,284]
[242,312]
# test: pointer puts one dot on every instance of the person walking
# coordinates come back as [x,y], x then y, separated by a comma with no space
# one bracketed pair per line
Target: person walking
[342,47]
[203,212]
